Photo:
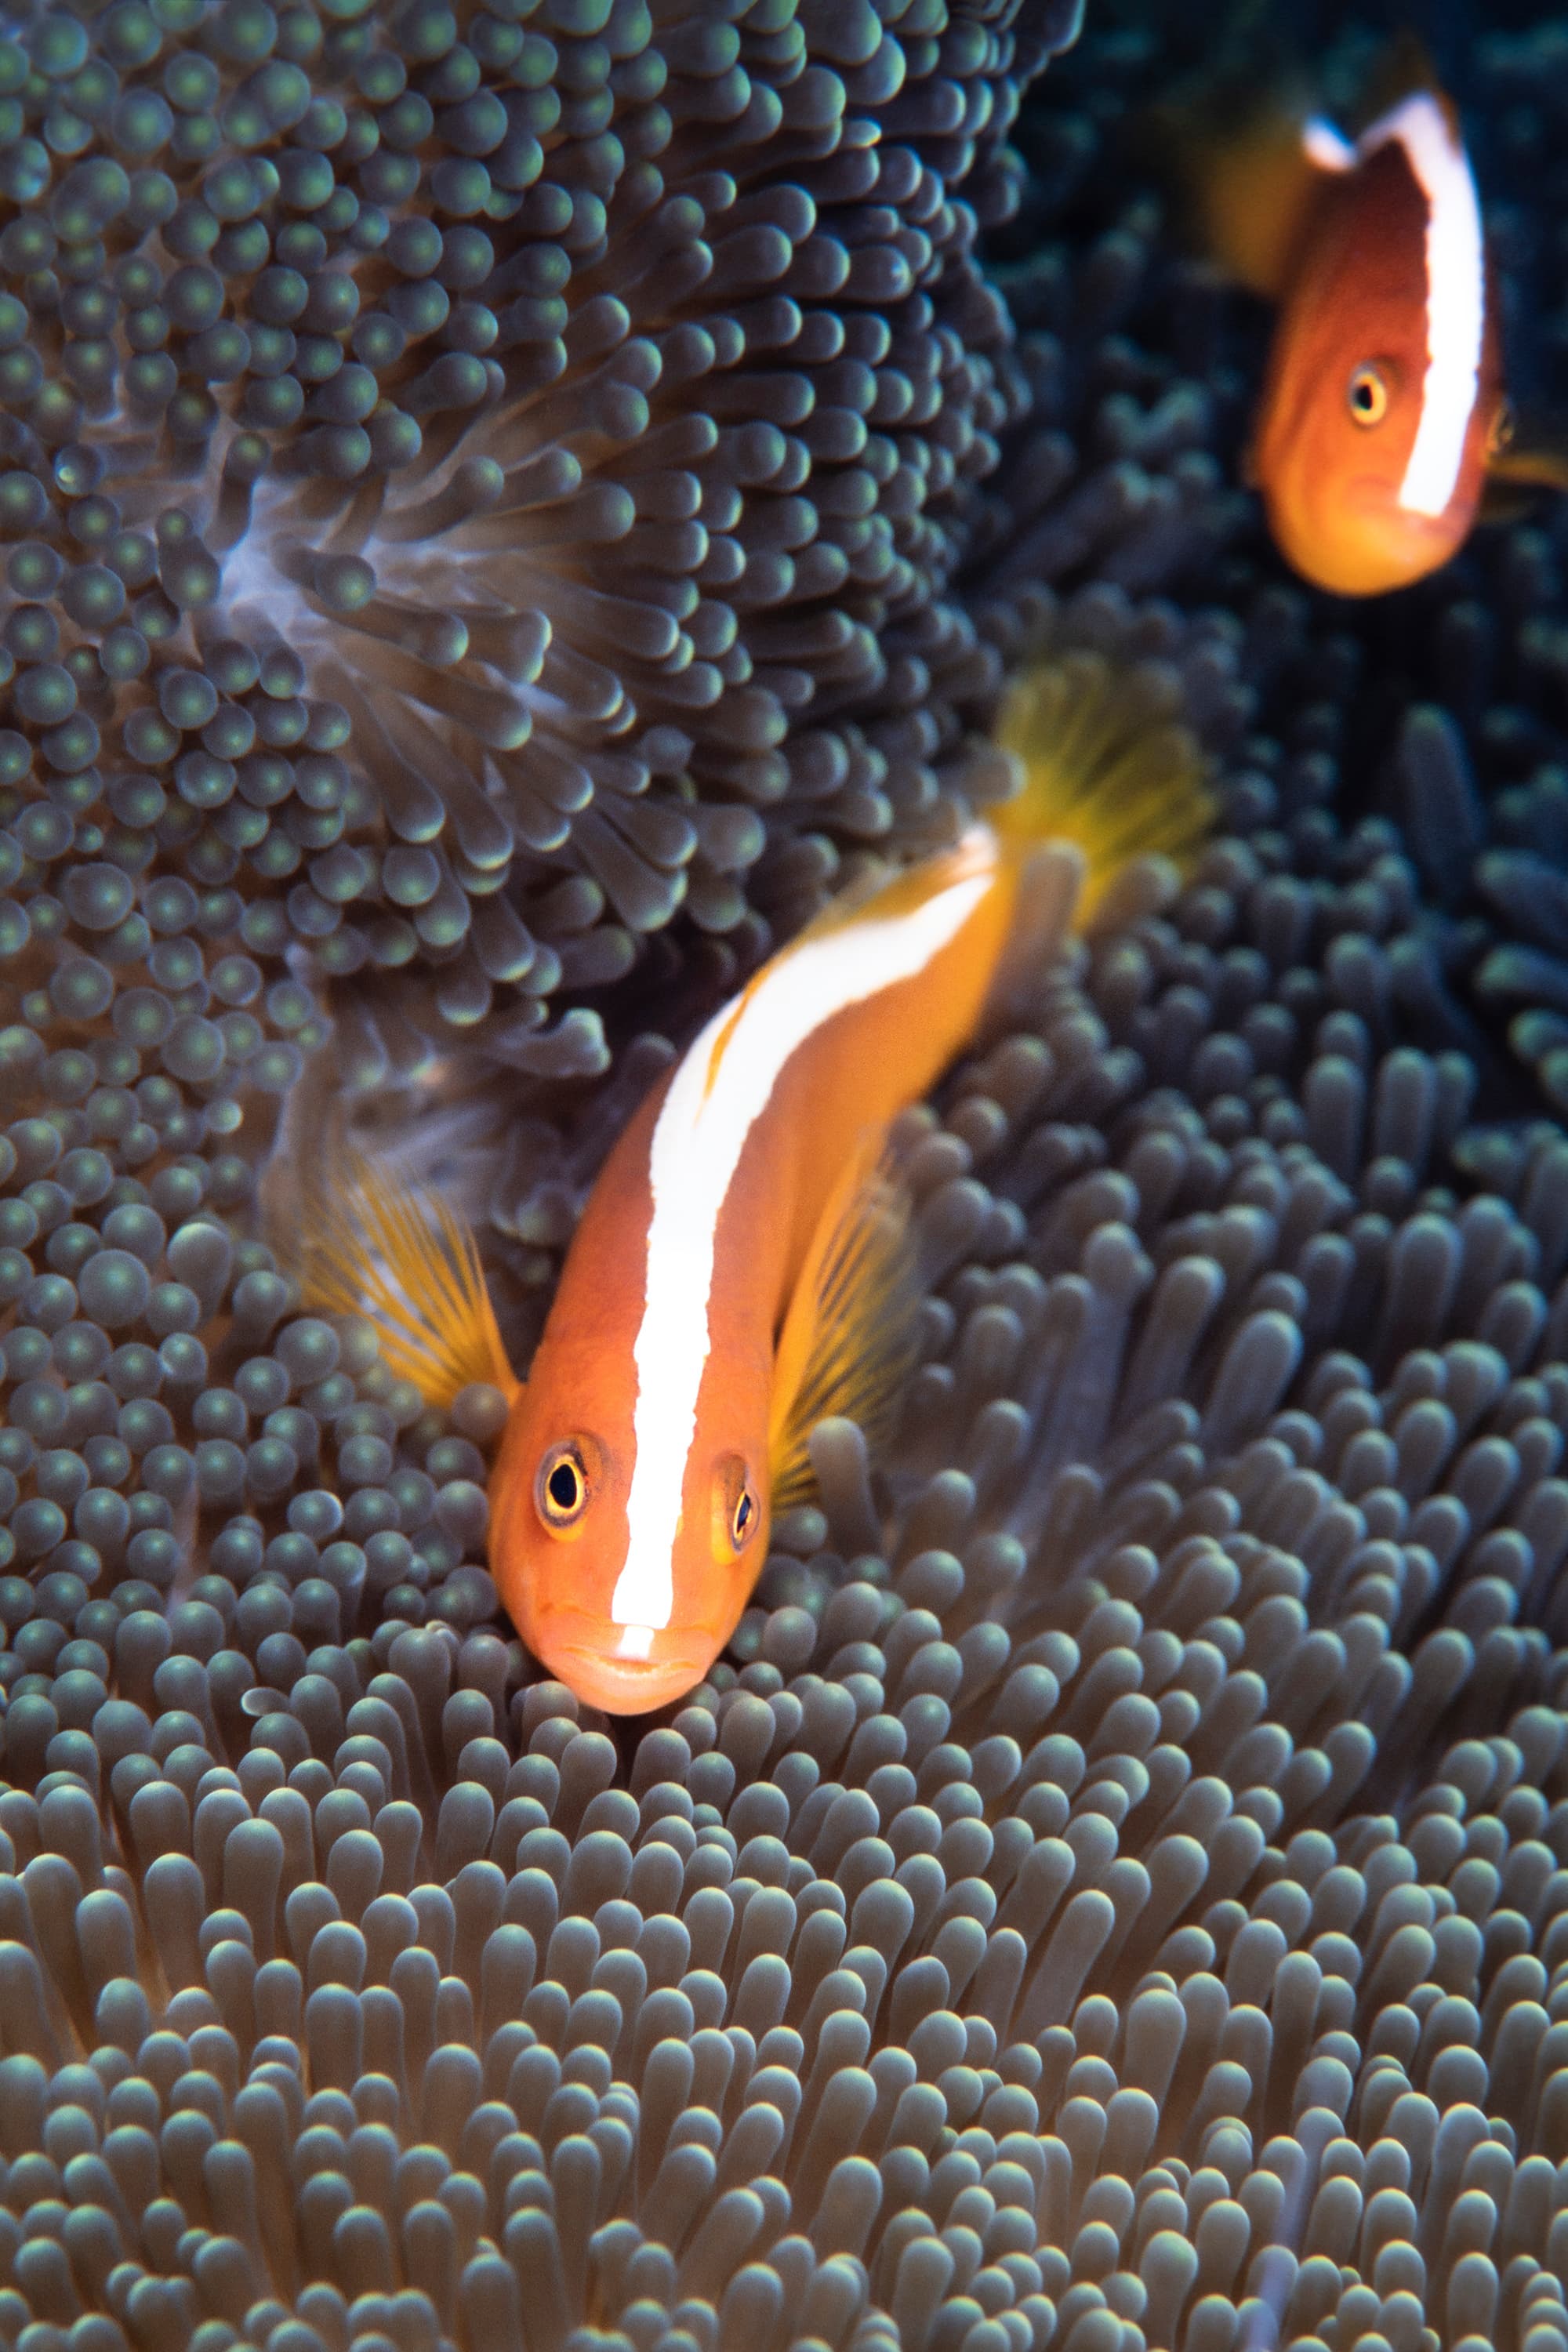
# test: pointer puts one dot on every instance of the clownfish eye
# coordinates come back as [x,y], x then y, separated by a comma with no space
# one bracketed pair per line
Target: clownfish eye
[561,1488]
[1366,395]
[737,1512]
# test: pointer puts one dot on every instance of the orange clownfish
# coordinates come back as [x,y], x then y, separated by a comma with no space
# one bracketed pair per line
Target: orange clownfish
[1382,410]
[742,1267]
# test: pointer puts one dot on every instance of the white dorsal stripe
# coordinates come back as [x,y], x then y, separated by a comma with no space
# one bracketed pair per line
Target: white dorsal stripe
[1456,296]
[1329,149]
[713,1103]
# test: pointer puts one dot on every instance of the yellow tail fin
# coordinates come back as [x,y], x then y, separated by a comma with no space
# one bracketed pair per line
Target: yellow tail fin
[403,1259]
[1108,767]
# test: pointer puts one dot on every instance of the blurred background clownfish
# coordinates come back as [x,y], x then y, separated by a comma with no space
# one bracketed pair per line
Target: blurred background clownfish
[1383,419]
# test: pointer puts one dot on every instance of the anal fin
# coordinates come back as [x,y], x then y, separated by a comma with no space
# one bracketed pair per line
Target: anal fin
[848,1342]
[403,1258]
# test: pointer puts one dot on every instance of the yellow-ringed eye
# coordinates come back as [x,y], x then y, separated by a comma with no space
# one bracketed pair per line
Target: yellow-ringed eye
[1366,395]
[737,1511]
[561,1489]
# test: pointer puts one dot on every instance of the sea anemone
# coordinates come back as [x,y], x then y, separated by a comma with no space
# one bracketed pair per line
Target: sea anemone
[590,401]
[1112,1893]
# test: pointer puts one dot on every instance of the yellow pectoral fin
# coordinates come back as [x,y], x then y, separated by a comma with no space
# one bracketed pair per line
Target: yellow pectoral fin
[1538,463]
[847,1343]
[1504,502]
[1253,190]
[403,1259]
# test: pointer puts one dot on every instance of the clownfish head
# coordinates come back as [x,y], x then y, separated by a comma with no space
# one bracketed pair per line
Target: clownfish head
[624,1558]
[1334,467]
[1383,389]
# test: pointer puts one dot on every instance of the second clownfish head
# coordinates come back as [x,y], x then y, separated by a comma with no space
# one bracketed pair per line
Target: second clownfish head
[1383,398]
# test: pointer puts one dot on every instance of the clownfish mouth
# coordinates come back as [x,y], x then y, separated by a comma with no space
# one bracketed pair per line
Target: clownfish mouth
[625,1669]
[1370,494]
[1357,540]
[1376,503]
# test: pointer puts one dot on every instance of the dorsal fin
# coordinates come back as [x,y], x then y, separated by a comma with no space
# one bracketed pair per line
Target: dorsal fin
[401,1256]
[1404,69]
[848,1342]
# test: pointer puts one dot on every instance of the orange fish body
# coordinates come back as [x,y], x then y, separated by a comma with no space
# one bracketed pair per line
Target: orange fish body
[1383,390]
[653,1394]
[742,1268]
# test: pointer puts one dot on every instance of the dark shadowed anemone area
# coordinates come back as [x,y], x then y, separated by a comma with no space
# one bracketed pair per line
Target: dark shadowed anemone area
[503,511]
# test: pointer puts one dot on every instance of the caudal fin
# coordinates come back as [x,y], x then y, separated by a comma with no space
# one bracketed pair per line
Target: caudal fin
[1108,767]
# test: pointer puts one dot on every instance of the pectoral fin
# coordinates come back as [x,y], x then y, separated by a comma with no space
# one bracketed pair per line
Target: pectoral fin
[848,1342]
[1504,502]
[1252,190]
[1233,140]
[403,1258]
[1528,457]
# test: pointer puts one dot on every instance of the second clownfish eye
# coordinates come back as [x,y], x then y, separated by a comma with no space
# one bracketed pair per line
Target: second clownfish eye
[561,1489]
[737,1512]
[1366,395]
